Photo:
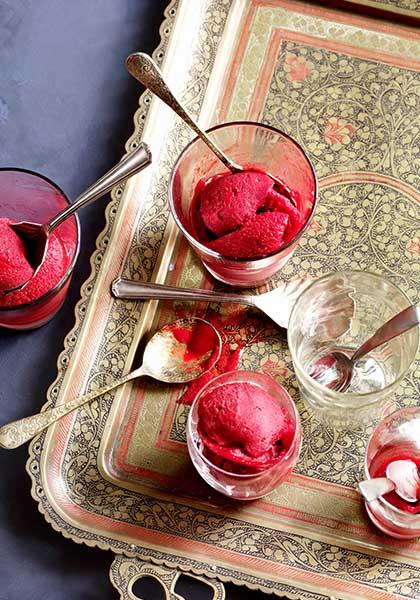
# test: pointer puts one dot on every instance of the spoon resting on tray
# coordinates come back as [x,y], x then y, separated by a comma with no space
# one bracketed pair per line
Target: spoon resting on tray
[276,304]
[335,369]
[143,68]
[35,235]
[179,352]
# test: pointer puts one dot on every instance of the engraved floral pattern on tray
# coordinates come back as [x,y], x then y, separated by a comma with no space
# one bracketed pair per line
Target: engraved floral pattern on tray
[348,113]
[377,216]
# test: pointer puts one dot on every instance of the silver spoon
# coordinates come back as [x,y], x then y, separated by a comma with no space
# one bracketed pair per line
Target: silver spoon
[276,304]
[164,359]
[335,369]
[401,476]
[35,235]
[143,68]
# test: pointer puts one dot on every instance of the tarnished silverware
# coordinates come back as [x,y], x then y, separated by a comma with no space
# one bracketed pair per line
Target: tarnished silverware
[276,304]
[143,68]
[35,235]
[335,369]
[163,359]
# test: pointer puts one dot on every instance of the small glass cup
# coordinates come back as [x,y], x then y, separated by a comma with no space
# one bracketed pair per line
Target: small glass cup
[244,486]
[29,196]
[340,311]
[252,145]
[398,435]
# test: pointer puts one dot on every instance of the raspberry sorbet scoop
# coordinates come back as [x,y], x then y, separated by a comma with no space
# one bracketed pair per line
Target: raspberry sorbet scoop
[14,267]
[245,215]
[243,425]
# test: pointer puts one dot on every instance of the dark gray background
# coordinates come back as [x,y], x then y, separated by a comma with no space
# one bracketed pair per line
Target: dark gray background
[66,106]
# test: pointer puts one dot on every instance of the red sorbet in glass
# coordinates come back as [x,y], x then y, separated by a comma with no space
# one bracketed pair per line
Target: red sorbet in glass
[245,215]
[242,428]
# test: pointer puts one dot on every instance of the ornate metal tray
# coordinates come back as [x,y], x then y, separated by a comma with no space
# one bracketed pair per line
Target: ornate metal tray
[115,474]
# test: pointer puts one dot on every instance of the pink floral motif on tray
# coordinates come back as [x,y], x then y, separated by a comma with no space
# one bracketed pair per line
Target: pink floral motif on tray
[338,131]
[275,367]
[298,68]
[413,247]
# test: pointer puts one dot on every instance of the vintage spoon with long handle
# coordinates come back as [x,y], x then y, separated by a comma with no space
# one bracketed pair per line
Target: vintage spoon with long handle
[35,235]
[143,68]
[276,304]
[164,359]
[335,369]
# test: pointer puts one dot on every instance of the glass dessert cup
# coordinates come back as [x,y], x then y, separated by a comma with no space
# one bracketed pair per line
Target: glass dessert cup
[395,436]
[253,485]
[252,145]
[340,311]
[25,195]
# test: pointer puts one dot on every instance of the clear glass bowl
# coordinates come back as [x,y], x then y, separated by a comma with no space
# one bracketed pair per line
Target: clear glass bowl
[244,486]
[28,196]
[342,310]
[252,145]
[398,435]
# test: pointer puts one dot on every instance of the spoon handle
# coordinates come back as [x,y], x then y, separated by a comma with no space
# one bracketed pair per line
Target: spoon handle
[129,165]
[403,321]
[133,290]
[18,432]
[142,67]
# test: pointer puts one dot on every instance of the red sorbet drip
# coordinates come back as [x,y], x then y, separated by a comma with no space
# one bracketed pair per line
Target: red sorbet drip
[244,425]
[227,209]
[237,327]
[200,339]
[14,267]
[392,497]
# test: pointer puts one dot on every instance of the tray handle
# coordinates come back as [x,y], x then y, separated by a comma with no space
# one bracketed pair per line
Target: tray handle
[124,572]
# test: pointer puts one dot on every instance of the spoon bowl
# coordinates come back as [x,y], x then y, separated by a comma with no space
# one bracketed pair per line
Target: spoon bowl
[179,352]
[335,369]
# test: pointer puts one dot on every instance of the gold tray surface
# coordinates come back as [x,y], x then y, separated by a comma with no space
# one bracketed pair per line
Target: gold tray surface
[116,473]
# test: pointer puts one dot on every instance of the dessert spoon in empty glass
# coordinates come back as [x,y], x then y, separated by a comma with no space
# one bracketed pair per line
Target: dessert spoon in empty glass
[335,369]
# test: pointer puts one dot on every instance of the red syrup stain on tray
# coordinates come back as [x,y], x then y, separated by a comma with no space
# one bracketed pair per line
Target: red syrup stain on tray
[237,330]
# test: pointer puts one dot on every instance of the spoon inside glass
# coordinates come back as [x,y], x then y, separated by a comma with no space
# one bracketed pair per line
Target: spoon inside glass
[401,476]
[179,352]
[35,235]
[143,68]
[335,369]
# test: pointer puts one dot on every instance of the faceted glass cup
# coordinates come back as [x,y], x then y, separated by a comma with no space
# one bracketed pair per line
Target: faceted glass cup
[244,486]
[342,310]
[251,145]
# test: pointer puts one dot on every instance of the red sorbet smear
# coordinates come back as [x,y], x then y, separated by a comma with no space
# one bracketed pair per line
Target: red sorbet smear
[245,215]
[245,425]
[392,497]
[277,202]
[237,330]
[260,235]
[200,340]
[227,201]
[14,267]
